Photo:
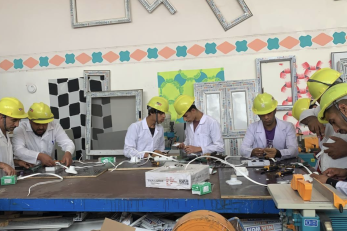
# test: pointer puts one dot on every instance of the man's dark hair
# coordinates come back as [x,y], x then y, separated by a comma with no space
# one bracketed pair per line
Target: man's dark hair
[153,111]
[192,107]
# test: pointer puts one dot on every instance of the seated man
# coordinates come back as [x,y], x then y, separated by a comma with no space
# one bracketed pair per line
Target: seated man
[271,137]
[203,133]
[336,156]
[148,134]
[33,141]
[11,112]
[334,111]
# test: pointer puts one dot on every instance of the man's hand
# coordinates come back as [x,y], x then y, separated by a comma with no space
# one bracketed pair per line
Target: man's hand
[46,160]
[67,159]
[338,173]
[258,152]
[22,163]
[336,150]
[314,126]
[181,146]
[192,149]
[320,178]
[270,152]
[7,169]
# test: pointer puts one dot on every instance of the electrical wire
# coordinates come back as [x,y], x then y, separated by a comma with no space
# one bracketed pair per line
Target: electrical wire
[125,161]
[225,159]
[308,170]
[41,183]
[225,162]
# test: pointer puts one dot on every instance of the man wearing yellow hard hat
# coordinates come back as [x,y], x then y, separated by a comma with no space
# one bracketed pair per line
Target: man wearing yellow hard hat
[318,84]
[333,110]
[34,140]
[11,112]
[269,137]
[203,133]
[148,134]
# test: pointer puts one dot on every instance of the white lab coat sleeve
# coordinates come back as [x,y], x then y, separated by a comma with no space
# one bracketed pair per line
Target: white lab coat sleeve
[308,113]
[19,148]
[130,149]
[342,186]
[63,140]
[248,142]
[291,143]
[217,140]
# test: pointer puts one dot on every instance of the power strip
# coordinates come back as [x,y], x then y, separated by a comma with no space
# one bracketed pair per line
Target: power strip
[163,159]
[258,163]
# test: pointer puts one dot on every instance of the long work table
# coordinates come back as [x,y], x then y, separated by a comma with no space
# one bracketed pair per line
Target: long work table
[125,191]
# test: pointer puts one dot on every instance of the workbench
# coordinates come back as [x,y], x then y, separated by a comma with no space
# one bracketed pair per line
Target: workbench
[120,191]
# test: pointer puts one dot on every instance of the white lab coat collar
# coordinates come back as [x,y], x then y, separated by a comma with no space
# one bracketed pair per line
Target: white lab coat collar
[280,127]
[202,121]
[145,126]
[2,134]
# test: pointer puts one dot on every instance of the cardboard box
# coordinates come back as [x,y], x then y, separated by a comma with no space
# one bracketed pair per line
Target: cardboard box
[110,225]
[174,176]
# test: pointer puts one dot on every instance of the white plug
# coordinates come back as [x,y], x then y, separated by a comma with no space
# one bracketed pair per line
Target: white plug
[233,180]
[134,160]
[71,170]
[325,148]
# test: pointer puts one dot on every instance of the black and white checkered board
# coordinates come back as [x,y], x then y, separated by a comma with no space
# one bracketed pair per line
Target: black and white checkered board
[68,105]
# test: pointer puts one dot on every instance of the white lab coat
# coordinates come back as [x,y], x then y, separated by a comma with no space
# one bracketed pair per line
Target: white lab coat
[139,138]
[207,135]
[27,145]
[284,140]
[6,151]
[342,186]
[325,161]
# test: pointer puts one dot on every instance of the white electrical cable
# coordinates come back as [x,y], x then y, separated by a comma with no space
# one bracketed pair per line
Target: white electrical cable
[308,170]
[95,163]
[41,183]
[126,161]
[115,167]
[233,166]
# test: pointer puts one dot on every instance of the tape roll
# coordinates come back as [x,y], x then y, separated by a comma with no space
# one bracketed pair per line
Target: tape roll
[203,220]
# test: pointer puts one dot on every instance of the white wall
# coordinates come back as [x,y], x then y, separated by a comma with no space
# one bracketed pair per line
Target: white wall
[39,26]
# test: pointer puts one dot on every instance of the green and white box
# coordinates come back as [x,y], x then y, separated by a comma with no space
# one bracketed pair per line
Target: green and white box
[6,180]
[202,188]
[107,159]
[173,175]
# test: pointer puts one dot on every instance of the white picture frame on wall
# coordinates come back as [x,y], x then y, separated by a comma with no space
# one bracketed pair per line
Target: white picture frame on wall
[279,59]
[76,24]
[98,75]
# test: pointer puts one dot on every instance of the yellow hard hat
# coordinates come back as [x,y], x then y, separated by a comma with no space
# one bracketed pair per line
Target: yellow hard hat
[40,113]
[264,104]
[159,103]
[300,106]
[320,81]
[182,104]
[330,97]
[12,107]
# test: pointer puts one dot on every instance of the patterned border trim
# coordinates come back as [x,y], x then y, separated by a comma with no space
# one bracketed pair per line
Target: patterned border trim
[175,51]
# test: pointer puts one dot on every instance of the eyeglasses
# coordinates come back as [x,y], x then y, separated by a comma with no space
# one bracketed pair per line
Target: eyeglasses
[337,107]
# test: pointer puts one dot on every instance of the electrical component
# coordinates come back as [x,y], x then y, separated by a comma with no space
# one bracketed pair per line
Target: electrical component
[258,163]
[7,180]
[233,180]
[238,171]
